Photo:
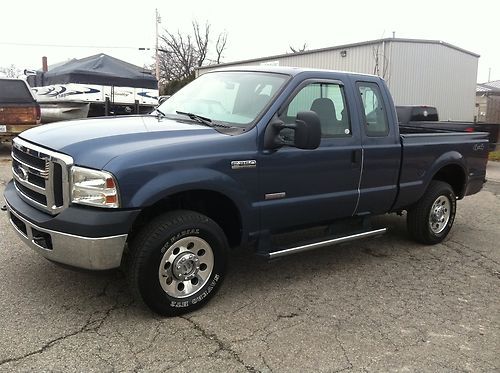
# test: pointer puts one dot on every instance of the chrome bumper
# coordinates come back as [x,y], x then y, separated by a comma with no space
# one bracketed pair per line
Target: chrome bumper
[77,251]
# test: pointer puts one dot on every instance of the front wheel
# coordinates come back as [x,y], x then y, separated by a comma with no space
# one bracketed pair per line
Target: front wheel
[431,219]
[177,262]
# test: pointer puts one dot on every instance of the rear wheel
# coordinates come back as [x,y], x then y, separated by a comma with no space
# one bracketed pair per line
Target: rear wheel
[431,219]
[177,262]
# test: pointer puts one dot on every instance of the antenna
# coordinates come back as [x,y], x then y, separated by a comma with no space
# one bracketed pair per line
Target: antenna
[157,57]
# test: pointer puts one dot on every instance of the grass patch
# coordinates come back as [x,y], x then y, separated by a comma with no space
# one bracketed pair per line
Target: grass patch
[494,156]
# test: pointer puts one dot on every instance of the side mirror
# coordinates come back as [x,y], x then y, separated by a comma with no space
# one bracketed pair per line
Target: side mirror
[307,132]
[162,99]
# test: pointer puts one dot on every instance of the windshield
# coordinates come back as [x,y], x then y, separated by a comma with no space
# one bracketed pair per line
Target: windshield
[233,97]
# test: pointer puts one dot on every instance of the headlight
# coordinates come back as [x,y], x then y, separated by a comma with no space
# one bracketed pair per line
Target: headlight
[93,188]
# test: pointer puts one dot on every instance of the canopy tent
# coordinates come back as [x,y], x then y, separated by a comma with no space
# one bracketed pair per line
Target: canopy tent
[99,69]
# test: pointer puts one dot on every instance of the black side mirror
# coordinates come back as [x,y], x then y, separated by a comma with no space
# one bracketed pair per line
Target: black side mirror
[307,132]
[162,99]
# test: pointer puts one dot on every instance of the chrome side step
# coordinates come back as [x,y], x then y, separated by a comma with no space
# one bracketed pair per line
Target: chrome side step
[329,242]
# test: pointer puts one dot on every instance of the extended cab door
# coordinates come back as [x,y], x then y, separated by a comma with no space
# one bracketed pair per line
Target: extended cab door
[381,147]
[311,186]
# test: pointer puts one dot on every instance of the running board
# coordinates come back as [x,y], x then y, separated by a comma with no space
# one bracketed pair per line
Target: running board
[333,241]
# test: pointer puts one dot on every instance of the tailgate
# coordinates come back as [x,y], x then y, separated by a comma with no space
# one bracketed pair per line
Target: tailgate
[17,118]
[27,114]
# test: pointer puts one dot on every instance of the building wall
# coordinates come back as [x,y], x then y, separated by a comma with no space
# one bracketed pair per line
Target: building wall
[358,59]
[417,73]
[481,107]
[435,75]
[488,107]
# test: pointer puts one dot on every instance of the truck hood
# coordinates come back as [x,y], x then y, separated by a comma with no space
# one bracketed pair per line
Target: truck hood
[94,142]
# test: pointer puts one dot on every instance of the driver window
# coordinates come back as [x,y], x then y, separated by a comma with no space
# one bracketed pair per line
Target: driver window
[328,101]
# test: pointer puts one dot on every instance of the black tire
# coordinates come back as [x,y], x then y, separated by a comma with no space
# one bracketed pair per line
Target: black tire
[422,220]
[156,245]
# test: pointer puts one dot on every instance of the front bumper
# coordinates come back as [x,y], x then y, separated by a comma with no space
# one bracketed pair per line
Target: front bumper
[78,248]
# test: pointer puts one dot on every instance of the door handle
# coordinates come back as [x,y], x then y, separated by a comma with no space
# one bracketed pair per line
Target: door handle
[356,157]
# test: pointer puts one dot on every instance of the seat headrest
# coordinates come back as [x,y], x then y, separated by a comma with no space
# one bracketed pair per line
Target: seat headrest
[323,107]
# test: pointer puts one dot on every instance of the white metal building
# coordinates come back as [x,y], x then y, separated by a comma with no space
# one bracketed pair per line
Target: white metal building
[418,72]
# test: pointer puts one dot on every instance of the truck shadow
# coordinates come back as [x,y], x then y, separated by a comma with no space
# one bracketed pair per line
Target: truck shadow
[248,276]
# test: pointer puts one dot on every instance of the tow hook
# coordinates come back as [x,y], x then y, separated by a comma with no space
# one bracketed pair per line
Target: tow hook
[3,208]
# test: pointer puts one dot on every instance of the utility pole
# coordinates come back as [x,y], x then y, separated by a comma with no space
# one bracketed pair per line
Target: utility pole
[157,22]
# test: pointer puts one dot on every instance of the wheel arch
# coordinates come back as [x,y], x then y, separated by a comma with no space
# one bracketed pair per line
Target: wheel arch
[453,174]
[449,168]
[204,190]
[212,203]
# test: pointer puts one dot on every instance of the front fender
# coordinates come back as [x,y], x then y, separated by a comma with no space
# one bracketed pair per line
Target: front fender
[177,181]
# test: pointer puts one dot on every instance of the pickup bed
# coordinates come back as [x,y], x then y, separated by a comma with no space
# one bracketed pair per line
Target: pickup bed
[427,117]
[234,159]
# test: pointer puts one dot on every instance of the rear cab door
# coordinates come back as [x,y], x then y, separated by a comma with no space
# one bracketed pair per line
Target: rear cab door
[381,146]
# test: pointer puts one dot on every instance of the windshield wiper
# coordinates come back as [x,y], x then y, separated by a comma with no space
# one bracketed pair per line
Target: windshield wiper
[160,112]
[203,120]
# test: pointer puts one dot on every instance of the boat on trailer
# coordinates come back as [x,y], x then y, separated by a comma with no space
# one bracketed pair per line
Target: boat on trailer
[98,85]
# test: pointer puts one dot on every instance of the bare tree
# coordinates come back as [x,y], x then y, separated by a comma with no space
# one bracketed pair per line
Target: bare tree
[10,72]
[298,50]
[180,53]
[201,41]
[220,46]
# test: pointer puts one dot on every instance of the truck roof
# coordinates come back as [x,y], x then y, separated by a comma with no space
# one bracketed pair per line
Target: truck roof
[289,70]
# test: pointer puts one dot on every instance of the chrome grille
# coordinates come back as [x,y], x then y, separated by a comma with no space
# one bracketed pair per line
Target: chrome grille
[41,176]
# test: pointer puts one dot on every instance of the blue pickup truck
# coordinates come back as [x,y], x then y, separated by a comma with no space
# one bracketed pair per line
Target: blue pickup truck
[233,159]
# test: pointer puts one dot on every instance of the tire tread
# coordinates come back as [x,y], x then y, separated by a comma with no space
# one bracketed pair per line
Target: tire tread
[417,218]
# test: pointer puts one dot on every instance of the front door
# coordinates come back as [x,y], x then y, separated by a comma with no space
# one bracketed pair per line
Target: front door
[302,187]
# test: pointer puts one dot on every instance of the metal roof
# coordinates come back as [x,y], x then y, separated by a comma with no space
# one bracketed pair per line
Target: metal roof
[493,86]
[344,46]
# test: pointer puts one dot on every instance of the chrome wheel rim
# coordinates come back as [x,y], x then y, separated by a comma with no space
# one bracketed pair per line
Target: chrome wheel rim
[186,267]
[440,214]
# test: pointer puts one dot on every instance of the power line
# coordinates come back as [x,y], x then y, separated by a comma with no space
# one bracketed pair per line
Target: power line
[73,46]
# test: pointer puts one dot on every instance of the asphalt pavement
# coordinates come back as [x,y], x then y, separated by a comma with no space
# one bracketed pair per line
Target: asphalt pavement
[385,304]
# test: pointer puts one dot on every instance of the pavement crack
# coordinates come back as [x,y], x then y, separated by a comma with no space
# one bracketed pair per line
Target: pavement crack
[266,364]
[288,316]
[479,259]
[89,326]
[47,345]
[375,254]
[222,346]
[346,356]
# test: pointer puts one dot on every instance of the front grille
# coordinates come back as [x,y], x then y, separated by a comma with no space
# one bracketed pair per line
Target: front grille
[41,176]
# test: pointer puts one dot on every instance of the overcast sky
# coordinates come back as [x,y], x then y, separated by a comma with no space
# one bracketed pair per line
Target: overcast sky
[255,28]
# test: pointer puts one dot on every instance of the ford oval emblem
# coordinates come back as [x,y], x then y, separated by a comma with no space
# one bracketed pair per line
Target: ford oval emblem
[22,173]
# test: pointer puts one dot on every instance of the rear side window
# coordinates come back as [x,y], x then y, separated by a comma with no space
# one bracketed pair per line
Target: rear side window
[14,91]
[375,116]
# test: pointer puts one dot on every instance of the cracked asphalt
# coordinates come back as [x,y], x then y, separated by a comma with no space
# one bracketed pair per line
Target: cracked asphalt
[385,304]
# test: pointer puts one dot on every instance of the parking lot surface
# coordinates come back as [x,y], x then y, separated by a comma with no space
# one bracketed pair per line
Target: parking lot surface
[385,304]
